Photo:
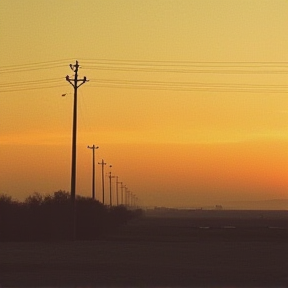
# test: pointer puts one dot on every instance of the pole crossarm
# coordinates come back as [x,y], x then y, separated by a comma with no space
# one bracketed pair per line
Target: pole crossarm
[75,80]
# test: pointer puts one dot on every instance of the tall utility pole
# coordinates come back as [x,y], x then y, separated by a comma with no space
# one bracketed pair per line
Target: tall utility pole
[93,169]
[103,190]
[76,83]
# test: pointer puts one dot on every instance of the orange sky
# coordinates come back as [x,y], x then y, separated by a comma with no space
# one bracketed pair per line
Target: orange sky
[186,99]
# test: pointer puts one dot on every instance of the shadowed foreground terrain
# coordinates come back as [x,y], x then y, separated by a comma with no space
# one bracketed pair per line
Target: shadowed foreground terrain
[170,248]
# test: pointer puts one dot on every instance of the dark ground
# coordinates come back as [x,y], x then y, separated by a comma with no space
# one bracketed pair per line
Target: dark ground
[163,249]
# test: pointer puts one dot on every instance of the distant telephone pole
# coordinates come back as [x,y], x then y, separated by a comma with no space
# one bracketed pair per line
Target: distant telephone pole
[103,190]
[110,187]
[76,83]
[127,197]
[93,169]
[117,201]
[124,196]
[121,192]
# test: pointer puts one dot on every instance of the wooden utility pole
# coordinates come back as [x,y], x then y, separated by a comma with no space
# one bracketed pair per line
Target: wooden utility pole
[117,201]
[110,182]
[93,169]
[125,196]
[103,190]
[76,83]
[121,192]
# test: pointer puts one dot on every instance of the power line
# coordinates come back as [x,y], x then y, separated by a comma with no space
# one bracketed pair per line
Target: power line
[194,90]
[158,66]
[42,63]
[33,66]
[27,69]
[189,86]
[185,62]
[216,67]
[154,85]
[30,85]
[143,82]
[29,82]
[37,63]
[172,83]
[147,65]
[31,88]
[184,71]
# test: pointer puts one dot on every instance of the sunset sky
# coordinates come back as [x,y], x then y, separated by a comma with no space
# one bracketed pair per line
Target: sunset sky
[187,99]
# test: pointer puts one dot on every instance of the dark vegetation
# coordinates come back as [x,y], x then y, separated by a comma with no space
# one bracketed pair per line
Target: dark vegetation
[162,249]
[50,218]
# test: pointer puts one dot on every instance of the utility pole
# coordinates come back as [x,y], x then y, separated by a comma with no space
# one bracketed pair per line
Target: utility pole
[93,169]
[131,199]
[121,192]
[126,191]
[110,182]
[117,202]
[76,83]
[102,163]
[112,193]
[128,198]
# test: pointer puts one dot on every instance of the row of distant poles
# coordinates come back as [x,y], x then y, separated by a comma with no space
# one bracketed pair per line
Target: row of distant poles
[130,199]
[127,197]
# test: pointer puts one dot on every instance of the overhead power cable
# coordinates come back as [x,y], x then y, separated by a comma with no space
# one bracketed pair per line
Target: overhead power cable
[31,88]
[33,66]
[189,86]
[203,70]
[30,82]
[31,85]
[216,67]
[181,63]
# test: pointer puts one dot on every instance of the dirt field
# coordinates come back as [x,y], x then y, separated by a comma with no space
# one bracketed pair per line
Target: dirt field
[164,249]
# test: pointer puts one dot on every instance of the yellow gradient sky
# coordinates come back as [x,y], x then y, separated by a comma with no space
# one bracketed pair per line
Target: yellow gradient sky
[188,100]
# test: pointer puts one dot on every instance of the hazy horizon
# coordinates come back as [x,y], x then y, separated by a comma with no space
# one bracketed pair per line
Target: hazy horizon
[187,100]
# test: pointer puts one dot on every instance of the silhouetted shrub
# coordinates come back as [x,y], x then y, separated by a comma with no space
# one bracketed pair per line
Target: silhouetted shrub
[50,217]
[10,213]
[91,218]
